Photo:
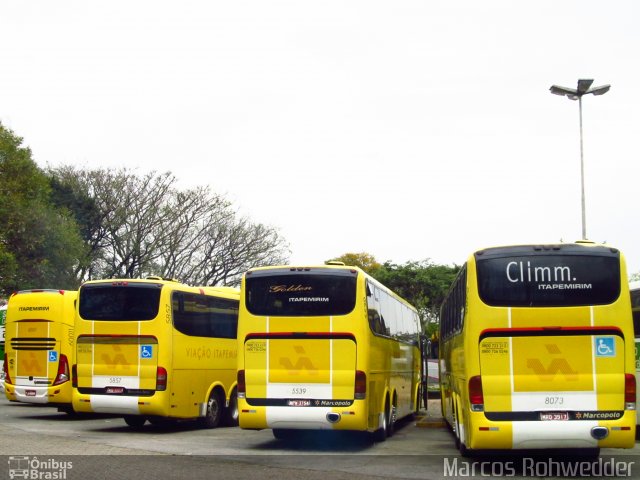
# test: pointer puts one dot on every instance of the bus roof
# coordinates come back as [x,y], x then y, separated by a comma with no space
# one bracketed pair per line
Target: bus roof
[575,247]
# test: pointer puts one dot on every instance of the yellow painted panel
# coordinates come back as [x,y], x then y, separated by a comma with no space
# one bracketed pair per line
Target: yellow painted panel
[299,361]
[495,369]
[548,363]
[255,364]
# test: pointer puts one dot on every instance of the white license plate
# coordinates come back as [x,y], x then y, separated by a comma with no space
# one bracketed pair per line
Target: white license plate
[299,403]
[554,416]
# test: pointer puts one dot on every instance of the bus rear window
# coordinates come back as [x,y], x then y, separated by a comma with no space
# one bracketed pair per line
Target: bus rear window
[549,280]
[301,294]
[120,302]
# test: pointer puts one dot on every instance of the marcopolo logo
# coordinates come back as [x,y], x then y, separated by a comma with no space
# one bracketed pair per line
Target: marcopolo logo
[38,469]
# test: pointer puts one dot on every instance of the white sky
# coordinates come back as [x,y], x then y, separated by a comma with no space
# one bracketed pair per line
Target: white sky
[405,129]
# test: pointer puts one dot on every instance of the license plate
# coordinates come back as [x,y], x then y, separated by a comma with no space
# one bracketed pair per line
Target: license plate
[554,416]
[30,393]
[299,403]
[115,389]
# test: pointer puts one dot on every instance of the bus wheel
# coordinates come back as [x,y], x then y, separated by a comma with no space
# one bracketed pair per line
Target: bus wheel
[135,421]
[381,434]
[215,406]
[456,427]
[231,412]
[462,448]
[391,428]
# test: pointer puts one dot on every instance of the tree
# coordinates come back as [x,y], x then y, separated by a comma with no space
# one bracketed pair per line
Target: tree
[635,277]
[365,261]
[423,284]
[39,243]
[142,225]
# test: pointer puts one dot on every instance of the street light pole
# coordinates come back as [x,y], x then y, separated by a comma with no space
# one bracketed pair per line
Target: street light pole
[582,203]
[584,88]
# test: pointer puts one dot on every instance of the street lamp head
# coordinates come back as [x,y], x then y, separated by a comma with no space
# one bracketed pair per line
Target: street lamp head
[584,85]
[564,91]
[584,88]
[601,90]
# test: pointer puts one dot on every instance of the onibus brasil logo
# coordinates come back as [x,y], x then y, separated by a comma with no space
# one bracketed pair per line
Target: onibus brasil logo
[34,468]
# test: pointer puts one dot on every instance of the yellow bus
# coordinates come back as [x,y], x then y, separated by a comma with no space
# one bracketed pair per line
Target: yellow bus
[536,350]
[634,290]
[39,347]
[155,349]
[325,347]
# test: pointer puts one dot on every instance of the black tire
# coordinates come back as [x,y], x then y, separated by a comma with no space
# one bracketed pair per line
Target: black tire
[231,412]
[382,433]
[215,409]
[391,428]
[135,421]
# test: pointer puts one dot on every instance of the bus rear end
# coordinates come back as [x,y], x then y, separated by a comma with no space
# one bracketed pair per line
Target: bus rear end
[119,356]
[298,365]
[555,350]
[39,347]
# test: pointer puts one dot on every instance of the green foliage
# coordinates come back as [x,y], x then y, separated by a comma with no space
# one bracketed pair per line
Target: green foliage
[635,277]
[365,261]
[39,243]
[422,283]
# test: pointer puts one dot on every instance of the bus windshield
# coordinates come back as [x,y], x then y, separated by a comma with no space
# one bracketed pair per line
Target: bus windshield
[120,301]
[547,280]
[287,293]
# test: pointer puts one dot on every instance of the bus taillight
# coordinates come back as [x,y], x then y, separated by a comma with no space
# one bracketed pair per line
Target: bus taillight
[5,368]
[241,388]
[476,397]
[74,376]
[360,390]
[63,370]
[629,391]
[161,379]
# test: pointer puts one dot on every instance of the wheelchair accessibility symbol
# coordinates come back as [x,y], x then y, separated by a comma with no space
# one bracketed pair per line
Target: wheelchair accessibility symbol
[53,356]
[605,346]
[146,351]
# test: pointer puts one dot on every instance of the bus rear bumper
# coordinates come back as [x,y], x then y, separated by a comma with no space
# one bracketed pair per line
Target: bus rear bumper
[554,434]
[28,394]
[302,418]
[120,404]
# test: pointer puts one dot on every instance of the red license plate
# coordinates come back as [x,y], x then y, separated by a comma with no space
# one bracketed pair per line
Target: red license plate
[554,416]
[115,389]
[30,393]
